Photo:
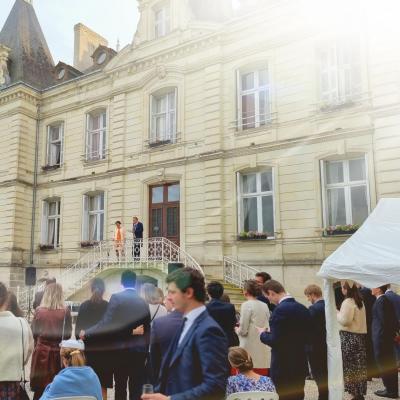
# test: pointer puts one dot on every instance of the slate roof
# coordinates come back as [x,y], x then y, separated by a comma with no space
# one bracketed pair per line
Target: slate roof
[30,58]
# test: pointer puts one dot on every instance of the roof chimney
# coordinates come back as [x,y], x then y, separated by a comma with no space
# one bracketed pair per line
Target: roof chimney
[86,42]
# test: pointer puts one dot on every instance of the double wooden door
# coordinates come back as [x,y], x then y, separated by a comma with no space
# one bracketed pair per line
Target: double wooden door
[164,211]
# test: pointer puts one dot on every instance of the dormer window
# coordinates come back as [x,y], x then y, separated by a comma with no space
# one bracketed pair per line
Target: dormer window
[161,21]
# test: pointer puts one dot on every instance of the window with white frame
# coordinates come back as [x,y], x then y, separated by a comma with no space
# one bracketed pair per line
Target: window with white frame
[93,217]
[161,21]
[340,73]
[55,144]
[163,116]
[346,195]
[51,222]
[253,98]
[256,202]
[96,130]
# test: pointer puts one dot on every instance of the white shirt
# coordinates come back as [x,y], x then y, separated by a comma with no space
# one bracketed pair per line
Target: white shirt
[288,296]
[190,318]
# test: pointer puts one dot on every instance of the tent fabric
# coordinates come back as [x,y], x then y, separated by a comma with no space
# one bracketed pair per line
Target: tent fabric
[371,257]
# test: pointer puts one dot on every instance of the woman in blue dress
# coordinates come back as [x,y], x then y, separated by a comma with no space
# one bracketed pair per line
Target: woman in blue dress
[247,380]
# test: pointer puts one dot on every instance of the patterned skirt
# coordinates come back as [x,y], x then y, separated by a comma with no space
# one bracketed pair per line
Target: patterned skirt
[10,390]
[354,362]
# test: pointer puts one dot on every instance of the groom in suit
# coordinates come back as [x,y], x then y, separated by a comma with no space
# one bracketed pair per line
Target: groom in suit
[195,365]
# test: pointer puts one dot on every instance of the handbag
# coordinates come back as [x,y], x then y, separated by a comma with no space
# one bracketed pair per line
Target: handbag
[23,395]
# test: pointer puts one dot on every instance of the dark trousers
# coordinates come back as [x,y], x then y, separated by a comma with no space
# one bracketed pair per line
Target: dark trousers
[388,370]
[290,389]
[319,371]
[129,369]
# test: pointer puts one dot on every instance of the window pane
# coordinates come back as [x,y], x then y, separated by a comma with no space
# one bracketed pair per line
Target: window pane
[268,214]
[359,204]
[92,203]
[92,227]
[101,201]
[53,208]
[249,183]
[160,127]
[248,111]
[51,231]
[334,172]
[157,194]
[173,193]
[336,207]
[171,101]
[266,181]
[156,222]
[248,81]
[263,77]
[101,230]
[357,170]
[55,133]
[94,122]
[161,104]
[172,221]
[250,214]
[263,105]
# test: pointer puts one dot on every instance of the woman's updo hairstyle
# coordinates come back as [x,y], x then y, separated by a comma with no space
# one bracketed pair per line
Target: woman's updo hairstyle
[240,359]
[74,357]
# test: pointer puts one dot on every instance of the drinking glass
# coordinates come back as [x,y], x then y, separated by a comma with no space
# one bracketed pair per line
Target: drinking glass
[147,388]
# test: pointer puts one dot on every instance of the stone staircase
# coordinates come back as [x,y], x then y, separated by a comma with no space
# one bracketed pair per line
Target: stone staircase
[235,293]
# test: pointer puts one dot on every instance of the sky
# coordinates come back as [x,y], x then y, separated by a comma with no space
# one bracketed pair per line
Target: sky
[112,19]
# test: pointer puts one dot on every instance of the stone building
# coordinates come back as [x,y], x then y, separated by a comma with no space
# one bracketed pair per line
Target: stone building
[214,122]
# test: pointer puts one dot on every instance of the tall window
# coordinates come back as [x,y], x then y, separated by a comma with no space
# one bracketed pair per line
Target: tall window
[96,129]
[161,22]
[55,144]
[254,98]
[345,191]
[340,73]
[51,222]
[163,117]
[256,209]
[93,218]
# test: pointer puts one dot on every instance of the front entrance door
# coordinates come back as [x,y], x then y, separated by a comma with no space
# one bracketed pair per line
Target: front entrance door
[164,211]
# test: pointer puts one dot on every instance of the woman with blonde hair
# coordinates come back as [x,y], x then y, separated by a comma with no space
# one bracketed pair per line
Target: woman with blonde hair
[247,380]
[76,379]
[51,324]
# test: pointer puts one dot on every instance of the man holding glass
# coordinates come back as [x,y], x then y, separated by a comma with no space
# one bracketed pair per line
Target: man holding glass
[195,365]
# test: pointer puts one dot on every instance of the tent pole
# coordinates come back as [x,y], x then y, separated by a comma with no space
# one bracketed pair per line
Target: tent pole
[335,366]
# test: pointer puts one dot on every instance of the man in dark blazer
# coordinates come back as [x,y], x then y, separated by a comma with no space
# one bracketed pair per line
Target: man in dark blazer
[39,295]
[195,365]
[163,332]
[288,337]
[125,312]
[394,298]
[384,327]
[318,353]
[223,313]
[137,230]
[262,277]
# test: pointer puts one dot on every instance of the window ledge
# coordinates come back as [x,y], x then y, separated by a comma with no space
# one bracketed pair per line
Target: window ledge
[90,163]
[266,239]
[339,233]
[48,248]
[50,168]
[88,244]
[239,131]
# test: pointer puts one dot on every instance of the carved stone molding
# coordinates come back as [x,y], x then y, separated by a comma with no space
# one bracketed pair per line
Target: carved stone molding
[4,74]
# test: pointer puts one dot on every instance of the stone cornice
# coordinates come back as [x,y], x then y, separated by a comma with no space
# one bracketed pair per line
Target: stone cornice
[17,93]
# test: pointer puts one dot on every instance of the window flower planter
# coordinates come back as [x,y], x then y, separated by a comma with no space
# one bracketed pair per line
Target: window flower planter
[46,247]
[253,236]
[50,167]
[89,243]
[341,230]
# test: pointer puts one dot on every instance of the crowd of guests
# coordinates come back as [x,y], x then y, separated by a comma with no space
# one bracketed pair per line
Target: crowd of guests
[192,344]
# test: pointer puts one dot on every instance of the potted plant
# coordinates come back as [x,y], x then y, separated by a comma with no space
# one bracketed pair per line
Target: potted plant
[341,229]
[253,235]
[44,247]
[89,243]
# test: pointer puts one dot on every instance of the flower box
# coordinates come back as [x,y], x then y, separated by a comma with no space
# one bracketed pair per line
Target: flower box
[46,247]
[89,243]
[50,167]
[253,235]
[341,230]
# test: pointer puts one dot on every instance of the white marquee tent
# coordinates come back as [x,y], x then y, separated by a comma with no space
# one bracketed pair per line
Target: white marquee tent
[371,257]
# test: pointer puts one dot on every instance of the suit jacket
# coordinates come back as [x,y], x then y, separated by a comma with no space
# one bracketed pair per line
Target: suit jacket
[384,327]
[198,367]
[288,338]
[318,349]
[38,299]
[225,315]
[267,302]
[163,332]
[394,298]
[138,231]
[125,311]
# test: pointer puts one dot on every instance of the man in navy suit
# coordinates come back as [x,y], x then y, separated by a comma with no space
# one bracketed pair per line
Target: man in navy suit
[318,353]
[384,327]
[288,338]
[394,298]
[223,313]
[262,277]
[163,332]
[137,230]
[195,366]
[125,312]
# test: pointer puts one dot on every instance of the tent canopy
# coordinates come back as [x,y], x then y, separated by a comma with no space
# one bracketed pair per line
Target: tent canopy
[371,256]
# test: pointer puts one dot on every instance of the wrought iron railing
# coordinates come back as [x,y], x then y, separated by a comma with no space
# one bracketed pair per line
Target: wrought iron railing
[236,272]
